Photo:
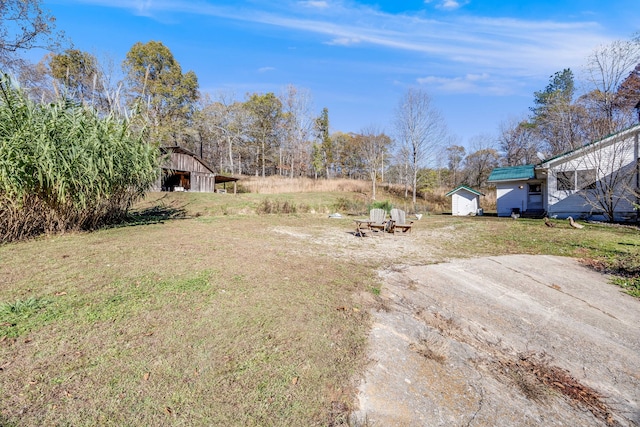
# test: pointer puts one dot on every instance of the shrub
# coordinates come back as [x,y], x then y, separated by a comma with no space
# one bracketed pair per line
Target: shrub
[386,205]
[349,206]
[268,206]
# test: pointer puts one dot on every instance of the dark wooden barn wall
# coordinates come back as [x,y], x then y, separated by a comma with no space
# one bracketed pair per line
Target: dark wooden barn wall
[184,162]
[202,180]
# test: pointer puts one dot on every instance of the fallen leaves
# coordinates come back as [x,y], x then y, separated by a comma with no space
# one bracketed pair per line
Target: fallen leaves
[534,372]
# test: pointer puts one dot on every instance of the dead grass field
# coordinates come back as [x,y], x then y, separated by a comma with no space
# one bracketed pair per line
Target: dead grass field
[224,317]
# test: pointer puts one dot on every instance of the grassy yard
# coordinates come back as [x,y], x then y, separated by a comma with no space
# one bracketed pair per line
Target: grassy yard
[226,314]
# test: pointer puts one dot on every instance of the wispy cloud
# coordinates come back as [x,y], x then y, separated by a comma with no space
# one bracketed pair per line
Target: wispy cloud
[448,4]
[344,41]
[143,6]
[482,84]
[503,48]
[315,4]
[266,69]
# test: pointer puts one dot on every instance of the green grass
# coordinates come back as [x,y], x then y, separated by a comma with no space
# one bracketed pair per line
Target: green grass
[118,300]
[631,285]
[225,316]
[19,316]
[194,321]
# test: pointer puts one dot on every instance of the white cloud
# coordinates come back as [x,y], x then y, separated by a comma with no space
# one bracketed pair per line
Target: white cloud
[318,4]
[482,84]
[477,77]
[266,69]
[505,48]
[448,4]
[514,46]
[143,4]
[344,41]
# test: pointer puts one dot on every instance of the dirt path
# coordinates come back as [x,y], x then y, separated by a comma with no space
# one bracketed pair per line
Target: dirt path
[513,340]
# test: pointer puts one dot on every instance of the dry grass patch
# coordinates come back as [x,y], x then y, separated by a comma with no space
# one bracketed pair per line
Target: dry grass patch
[224,317]
[281,185]
[202,321]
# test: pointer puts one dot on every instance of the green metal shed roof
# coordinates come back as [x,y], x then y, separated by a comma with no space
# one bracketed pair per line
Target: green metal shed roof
[464,187]
[512,173]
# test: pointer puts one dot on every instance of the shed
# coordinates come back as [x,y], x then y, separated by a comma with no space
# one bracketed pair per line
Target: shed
[465,201]
[185,171]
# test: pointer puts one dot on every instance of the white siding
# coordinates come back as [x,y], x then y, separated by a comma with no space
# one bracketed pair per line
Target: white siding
[608,159]
[464,203]
[510,196]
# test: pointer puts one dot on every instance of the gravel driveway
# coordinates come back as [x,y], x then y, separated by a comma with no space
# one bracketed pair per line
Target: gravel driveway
[516,340]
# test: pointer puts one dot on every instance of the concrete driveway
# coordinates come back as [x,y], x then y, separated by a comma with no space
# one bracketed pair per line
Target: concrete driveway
[516,340]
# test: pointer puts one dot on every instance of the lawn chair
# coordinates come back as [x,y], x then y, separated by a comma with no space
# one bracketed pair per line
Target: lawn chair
[399,221]
[377,218]
[376,222]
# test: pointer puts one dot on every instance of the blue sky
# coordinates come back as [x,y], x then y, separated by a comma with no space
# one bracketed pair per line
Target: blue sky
[480,60]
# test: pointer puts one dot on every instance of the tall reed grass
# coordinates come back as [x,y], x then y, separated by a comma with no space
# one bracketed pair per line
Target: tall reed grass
[63,166]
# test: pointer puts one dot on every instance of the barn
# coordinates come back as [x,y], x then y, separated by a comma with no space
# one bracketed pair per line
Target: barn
[465,201]
[185,171]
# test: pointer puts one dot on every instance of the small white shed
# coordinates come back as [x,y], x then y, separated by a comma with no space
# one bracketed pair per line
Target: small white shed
[464,201]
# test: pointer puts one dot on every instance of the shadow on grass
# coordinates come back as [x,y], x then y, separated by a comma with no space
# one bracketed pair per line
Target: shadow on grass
[157,214]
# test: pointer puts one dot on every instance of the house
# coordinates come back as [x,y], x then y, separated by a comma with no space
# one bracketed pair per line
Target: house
[518,190]
[185,171]
[600,181]
[465,201]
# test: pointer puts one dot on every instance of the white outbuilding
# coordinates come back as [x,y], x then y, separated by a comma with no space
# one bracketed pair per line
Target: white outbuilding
[465,201]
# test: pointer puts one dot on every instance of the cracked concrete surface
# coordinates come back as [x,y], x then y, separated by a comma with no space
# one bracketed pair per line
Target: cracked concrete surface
[469,342]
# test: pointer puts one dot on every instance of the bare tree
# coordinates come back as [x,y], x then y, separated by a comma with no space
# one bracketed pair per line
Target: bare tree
[374,144]
[482,159]
[220,127]
[37,81]
[518,141]
[421,129]
[297,127]
[24,25]
[607,68]
[455,156]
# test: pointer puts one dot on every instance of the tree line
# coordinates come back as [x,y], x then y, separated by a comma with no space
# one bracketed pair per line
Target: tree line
[281,134]
[569,113]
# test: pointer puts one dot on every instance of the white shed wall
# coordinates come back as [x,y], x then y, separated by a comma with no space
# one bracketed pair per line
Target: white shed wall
[510,196]
[464,203]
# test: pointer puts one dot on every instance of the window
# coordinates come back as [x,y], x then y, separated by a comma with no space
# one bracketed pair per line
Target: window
[566,181]
[587,179]
[535,188]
